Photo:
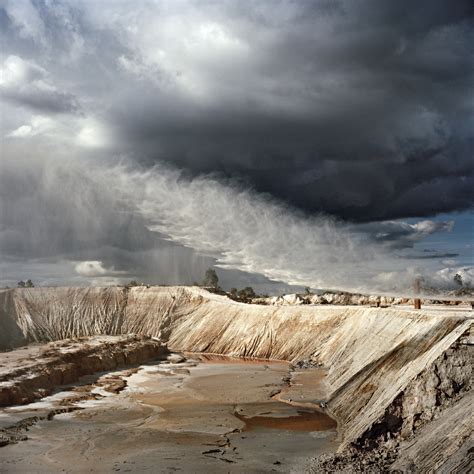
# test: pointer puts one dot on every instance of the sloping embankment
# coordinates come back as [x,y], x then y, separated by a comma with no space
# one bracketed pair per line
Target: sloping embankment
[373,355]
[37,373]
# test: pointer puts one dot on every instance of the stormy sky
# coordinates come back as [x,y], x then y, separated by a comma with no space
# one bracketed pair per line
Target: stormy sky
[312,143]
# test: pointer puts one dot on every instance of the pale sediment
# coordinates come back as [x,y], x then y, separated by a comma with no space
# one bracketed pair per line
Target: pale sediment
[380,361]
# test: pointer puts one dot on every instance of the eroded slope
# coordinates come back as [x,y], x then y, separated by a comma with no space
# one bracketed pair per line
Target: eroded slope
[372,355]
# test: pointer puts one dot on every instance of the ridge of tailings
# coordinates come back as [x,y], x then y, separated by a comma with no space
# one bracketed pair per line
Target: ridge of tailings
[372,355]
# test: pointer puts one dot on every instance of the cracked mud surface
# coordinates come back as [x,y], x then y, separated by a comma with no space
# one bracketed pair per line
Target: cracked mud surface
[199,415]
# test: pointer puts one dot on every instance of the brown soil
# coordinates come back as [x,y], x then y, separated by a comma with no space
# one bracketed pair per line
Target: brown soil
[184,420]
[64,362]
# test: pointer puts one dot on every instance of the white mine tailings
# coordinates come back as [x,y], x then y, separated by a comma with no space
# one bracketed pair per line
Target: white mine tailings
[398,380]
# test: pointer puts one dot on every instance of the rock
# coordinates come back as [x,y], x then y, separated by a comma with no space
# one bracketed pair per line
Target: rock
[176,358]
[292,299]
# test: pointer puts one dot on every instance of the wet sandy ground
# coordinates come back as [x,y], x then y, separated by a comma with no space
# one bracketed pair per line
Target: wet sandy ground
[21,356]
[205,414]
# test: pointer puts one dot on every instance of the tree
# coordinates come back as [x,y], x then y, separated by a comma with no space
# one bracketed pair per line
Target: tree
[247,293]
[25,284]
[21,284]
[458,279]
[233,292]
[211,279]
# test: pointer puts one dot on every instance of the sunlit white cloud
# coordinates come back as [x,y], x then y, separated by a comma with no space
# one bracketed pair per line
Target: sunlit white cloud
[446,277]
[95,268]
[93,134]
[252,233]
[80,132]
[22,132]
[39,125]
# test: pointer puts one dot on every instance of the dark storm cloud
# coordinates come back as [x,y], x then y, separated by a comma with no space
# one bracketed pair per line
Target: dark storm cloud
[362,111]
[357,109]
[435,255]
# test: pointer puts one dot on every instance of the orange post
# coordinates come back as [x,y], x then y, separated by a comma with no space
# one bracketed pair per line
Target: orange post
[416,290]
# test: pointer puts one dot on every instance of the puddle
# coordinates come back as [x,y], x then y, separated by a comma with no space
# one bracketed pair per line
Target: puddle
[207,414]
[304,421]
[222,359]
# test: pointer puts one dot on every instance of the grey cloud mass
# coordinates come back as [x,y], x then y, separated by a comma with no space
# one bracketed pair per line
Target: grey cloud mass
[363,109]
[399,234]
[359,112]
[362,112]
[26,84]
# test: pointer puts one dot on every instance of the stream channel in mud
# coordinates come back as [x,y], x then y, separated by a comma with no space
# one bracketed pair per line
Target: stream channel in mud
[203,414]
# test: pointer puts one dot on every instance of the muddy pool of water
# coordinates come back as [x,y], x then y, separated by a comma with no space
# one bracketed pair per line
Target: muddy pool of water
[204,414]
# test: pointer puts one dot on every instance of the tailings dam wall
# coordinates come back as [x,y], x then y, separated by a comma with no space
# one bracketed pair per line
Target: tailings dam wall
[386,366]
